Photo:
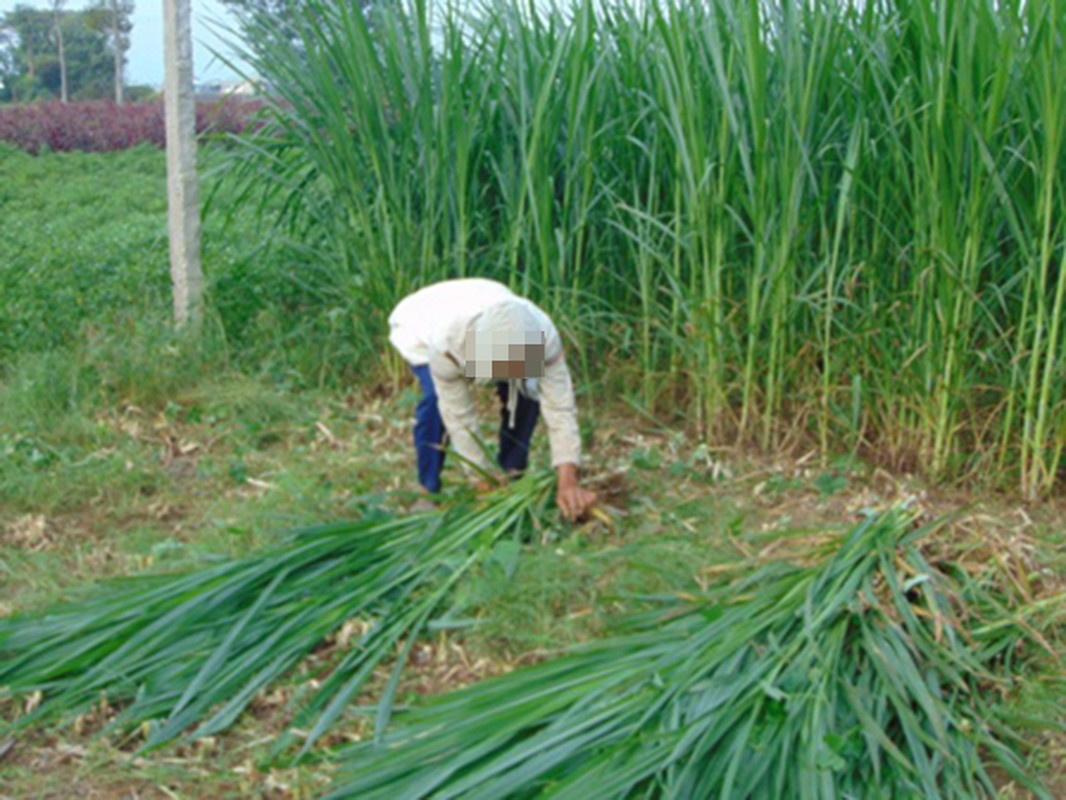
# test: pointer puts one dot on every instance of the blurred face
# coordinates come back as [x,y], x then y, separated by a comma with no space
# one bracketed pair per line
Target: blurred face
[496,355]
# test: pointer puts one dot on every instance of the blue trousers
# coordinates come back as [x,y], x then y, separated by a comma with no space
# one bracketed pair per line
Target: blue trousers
[513,455]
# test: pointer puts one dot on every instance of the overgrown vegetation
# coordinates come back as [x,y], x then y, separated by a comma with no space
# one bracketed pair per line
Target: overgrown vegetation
[832,222]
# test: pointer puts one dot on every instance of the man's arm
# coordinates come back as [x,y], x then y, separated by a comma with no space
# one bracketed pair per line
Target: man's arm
[560,417]
[560,413]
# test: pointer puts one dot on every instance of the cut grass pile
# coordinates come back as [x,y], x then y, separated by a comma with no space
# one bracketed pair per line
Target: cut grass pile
[866,675]
[195,648]
[876,665]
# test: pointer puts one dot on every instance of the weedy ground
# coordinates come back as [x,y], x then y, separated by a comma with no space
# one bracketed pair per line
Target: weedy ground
[124,449]
[200,480]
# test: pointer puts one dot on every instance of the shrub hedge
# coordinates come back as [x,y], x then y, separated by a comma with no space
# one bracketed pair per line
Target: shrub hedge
[102,126]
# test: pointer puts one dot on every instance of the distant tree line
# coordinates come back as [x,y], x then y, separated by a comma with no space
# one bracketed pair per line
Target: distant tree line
[262,22]
[55,53]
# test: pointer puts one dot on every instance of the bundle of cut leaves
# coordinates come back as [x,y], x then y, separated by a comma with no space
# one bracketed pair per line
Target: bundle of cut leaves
[194,649]
[866,675]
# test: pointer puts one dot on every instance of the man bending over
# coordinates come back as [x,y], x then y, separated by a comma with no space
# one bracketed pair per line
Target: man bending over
[475,330]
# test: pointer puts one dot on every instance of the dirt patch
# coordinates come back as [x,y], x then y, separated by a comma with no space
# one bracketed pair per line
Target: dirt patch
[32,532]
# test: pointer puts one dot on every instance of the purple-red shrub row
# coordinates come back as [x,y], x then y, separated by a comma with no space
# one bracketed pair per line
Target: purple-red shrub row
[98,126]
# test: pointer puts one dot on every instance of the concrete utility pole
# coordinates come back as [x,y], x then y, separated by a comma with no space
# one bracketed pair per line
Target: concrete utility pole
[183,202]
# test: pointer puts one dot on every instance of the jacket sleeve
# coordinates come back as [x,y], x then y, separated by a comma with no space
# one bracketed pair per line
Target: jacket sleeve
[560,412]
[458,413]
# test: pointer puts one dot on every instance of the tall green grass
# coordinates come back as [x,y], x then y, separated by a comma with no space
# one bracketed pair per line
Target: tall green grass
[820,220]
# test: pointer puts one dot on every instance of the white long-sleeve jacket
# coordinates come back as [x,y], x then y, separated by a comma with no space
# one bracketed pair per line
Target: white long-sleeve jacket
[430,327]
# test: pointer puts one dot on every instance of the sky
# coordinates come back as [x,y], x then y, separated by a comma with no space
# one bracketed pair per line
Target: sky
[145,58]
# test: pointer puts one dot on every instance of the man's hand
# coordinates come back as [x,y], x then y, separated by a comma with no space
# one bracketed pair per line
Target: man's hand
[573,501]
[486,485]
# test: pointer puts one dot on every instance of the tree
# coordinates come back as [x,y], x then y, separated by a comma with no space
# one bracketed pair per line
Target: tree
[121,25]
[286,11]
[26,43]
[30,64]
[276,18]
[115,19]
[57,8]
[8,73]
[86,57]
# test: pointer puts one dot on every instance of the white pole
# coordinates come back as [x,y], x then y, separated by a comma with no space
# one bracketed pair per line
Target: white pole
[183,204]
